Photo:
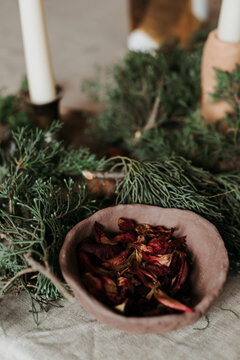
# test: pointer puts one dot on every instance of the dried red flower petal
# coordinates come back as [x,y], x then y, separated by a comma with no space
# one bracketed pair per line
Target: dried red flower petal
[118,260]
[126,225]
[166,300]
[142,229]
[98,231]
[111,290]
[159,271]
[140,258]
[158,260]
[121,307]
[100,236]
[126,283]
[154,231]
[93,283]
[142,274]
[126,237]
[102,251]
[86,263]
[180,243]
[183,272]
[141,239]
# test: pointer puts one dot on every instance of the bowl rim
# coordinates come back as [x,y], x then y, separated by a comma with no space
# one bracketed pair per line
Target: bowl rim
[201,308]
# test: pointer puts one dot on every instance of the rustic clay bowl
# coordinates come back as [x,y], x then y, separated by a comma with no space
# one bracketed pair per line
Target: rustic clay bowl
[208,275]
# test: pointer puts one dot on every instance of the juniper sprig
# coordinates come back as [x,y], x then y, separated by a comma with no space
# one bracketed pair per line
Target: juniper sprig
[40,200]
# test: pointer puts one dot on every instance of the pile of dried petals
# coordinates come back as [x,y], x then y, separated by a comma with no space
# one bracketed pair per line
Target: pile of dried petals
[141,271]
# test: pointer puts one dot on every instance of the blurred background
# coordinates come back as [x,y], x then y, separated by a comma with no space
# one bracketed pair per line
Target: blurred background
[81,34]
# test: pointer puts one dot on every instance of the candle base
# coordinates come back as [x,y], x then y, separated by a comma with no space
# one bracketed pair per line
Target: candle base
[223,56]
[44,115]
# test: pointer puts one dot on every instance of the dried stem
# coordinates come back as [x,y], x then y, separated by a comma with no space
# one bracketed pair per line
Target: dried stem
[19,274]
[37,267]
[223,193]
[151,122]
[152,118]
[90,175]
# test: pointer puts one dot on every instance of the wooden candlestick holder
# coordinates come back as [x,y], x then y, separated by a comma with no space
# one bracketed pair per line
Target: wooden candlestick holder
[222,56]
[44,115]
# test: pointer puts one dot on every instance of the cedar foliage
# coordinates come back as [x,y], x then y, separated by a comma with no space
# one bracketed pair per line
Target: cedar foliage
[132,86]
[40,200]
[181,161]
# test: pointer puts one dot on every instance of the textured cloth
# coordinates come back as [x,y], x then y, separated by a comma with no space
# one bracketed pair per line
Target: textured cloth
[70,333]
[83,33]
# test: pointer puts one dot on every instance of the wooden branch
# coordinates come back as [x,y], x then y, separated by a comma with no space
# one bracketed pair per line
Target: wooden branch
[90,175]
[151,122]
[36,266]
[153,116]
[19,274]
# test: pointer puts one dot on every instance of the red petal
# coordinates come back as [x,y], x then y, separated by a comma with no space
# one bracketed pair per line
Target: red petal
[166,300]
[93,283]
[126,225]
[159,271]
[86,263]
[142,228]
[142,274]
[102,251]
[125,238]
[155,231]
[98,231]
[106,241]
[126,283]
[158,260]
[163,230]
[117,261]
[180,243]
[109,285]
[100,236]
[183,272]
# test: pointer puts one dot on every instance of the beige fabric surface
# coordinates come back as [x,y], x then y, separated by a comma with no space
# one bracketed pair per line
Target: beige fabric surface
[70,333]
[84,33]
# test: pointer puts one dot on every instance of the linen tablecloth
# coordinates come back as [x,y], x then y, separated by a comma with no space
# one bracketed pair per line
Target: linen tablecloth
[70,333]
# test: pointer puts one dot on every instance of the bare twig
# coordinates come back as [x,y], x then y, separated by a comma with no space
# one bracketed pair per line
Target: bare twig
[19,274]
[45,270]
[152,118]
[20,162]
[151,122]
[36,266]
[90,175]
[223,193]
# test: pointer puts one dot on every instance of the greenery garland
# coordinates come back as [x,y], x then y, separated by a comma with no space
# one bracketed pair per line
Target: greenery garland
[173,160]
[40,200]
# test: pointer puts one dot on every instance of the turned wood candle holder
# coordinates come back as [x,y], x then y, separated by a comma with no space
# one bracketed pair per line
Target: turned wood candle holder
[219,55]
[44,115]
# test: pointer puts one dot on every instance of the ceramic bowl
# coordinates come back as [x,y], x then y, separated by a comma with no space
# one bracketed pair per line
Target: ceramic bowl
[207,277]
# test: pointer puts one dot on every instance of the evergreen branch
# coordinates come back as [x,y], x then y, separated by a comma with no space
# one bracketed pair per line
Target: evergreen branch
[39,203]
[37,267]
[15,277]
[175,183]
[151,122]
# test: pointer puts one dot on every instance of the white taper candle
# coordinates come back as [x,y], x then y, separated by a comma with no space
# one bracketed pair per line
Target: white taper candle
[37,52]
[229,21]
[200,8]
